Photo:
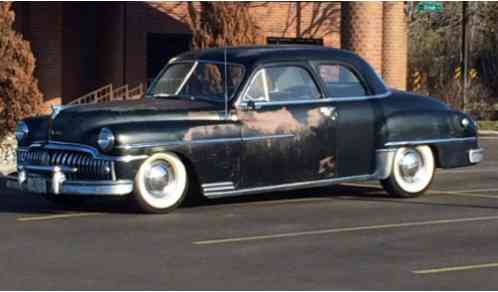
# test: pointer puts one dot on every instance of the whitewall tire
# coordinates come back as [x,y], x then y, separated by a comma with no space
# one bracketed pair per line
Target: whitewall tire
[161,183]
[412,172]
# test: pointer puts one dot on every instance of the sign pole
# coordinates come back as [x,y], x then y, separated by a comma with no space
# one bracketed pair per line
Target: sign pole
[464,54]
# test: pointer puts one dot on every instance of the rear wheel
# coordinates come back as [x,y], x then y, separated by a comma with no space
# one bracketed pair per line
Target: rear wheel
[412,172]
[161,183]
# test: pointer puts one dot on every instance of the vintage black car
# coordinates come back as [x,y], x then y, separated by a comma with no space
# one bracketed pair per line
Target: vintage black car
[238,121]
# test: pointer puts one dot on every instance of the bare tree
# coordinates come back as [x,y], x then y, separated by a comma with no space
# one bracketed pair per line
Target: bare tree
[215,24]
[19,93]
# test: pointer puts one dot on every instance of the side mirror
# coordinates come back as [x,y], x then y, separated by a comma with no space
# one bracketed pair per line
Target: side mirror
[251,105]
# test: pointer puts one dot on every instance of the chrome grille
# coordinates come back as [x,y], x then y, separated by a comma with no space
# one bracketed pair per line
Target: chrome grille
[88,167]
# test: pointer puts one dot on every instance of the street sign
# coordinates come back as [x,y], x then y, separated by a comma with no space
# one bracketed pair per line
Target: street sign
[429,6]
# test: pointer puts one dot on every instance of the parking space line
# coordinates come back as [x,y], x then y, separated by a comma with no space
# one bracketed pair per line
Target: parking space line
[455,269]
[341,230]
[56,216]
[468,171]
[471,195]
[475,191]
[465,193]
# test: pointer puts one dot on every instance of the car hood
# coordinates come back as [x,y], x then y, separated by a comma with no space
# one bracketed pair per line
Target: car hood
[81,123]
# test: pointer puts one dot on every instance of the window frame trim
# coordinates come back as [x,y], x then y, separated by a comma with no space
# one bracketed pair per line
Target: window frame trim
[356,73]
[175,61]
[243,103]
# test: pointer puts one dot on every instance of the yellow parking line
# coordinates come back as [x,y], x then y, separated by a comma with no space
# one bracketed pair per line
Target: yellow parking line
[340,230]
[456,269]
[56,216]
[473,195]
[476,190]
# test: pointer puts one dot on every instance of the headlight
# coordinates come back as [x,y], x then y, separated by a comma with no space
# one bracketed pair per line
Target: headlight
[22,131]
[105,140]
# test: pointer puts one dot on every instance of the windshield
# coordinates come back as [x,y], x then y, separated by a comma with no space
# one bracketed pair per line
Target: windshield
[202,80]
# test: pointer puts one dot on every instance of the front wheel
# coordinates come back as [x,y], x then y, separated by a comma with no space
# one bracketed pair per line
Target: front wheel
[161,183]
[412,172]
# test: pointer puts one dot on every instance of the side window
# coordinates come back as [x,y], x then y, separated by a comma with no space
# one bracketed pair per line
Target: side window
[341,81]
[283,83]
[258,90]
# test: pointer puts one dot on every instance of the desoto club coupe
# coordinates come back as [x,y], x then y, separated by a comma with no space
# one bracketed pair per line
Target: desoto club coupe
[238,121]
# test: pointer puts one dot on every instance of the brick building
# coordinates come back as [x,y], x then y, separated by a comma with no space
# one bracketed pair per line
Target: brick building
[81,46]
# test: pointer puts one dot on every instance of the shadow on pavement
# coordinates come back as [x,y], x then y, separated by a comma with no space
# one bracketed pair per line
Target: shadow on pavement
[17,202]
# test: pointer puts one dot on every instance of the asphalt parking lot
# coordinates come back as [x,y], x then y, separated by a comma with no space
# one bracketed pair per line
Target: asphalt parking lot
[351,236]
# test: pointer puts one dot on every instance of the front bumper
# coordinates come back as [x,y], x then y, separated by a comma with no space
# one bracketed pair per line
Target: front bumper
[55,184]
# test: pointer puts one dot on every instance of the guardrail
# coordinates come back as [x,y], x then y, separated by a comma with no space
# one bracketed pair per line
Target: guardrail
[108,93]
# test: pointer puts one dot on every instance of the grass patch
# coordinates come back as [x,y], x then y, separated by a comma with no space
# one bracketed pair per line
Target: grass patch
[488,125]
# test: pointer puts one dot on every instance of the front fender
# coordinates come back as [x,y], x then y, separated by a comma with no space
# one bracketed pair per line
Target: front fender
[201,145]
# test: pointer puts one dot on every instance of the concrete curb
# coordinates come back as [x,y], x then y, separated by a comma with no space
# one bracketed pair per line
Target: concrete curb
[488,133]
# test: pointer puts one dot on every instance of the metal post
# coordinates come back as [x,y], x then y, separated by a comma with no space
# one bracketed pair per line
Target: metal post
[464,53]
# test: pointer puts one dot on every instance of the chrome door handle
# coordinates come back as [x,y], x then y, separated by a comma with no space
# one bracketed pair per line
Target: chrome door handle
[329,111]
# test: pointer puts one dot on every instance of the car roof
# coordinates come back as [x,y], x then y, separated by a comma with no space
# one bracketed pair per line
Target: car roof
[249,55]
[252,56]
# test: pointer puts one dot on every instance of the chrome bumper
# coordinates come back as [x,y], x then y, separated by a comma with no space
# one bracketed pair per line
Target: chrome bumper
[54,185]
[476,155]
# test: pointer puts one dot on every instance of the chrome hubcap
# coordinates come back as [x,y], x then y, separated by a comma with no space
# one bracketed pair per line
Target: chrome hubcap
[410,166]
[158,178]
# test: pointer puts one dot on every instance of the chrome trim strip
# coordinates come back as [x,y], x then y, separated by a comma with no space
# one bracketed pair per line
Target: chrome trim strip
[176,143]
[64,169]
[56,145]
[202,141]
[289,186]
[225,188]
[187,77]
[430,141]
[259,104]
[217,184]
[358,98]
[257,138]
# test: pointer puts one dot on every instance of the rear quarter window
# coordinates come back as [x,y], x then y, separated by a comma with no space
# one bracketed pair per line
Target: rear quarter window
[341,81]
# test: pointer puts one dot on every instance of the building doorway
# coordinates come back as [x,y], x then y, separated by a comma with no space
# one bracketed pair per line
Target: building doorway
[161,48]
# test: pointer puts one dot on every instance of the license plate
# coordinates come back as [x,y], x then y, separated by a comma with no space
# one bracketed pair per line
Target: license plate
[36,185]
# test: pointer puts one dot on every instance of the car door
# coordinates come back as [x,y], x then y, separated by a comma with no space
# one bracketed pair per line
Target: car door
[288,129]
[355,118]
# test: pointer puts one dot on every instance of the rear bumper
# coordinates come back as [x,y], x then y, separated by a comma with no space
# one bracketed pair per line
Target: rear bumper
[459,154]
[101,188]
[476,155]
